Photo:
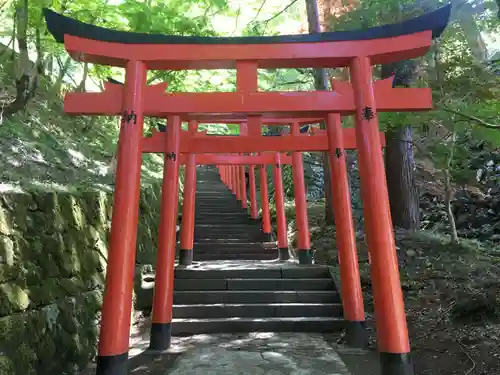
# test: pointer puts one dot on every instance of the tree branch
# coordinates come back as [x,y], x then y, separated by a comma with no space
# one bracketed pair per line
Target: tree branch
[477,120]
[280,12]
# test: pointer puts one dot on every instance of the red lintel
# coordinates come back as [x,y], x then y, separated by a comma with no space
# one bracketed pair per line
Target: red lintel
[208,144]
[217,119]
[264,159]
[157,103]
[268,56]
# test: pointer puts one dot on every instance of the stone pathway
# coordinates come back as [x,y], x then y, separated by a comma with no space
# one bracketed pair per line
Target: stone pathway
[256,353]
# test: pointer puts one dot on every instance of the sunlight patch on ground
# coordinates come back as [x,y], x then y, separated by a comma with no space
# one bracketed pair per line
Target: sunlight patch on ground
[77,158]
[10,188]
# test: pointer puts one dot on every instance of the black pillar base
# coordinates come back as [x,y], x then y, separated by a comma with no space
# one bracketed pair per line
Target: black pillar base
[305,256]
[396,364]
[283,253]
[185,257]
[112,364]
[161,334]
[356,335]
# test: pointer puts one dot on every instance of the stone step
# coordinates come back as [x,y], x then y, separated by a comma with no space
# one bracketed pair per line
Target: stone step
[232,250]
[218,203]
[214,235]
[218,196]
[308,272]
[220,231]
[232,226]
[182,327]
[233,241]
[215,214]
[243,297]
[221,234]
[271,310]
[223,219]
[234,245]
[216,211]
[254,284]
[246,256]
[229,226]
[144,296]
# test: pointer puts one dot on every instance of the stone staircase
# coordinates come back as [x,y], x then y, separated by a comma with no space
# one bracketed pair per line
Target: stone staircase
[236,283]
[249,297]
[223,229]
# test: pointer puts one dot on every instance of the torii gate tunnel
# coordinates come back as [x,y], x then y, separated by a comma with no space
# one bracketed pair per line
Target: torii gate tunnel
[361,97]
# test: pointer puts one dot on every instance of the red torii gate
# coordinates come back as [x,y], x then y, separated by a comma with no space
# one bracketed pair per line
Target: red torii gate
[236,181]
[230,175]
[137,53]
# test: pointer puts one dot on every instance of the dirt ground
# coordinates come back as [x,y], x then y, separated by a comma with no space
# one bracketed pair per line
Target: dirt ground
[452,296]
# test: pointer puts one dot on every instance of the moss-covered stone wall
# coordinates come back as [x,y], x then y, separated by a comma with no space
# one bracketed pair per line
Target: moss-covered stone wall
[53,251]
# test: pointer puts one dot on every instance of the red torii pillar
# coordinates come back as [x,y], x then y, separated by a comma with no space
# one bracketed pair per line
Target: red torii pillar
[237,182]
[117,304]
[281,227]
[303,240]
[242,168]
[264,201]
[188,206]
[392,331]
[161,327]
[352,296]
[254,210]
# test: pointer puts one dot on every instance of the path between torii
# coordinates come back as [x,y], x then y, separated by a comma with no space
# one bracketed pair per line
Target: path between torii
[255,353]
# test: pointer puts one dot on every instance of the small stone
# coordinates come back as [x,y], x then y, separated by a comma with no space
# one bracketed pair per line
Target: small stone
[6,250]
[411,252]
[6,365]
[5,222]
[12,299]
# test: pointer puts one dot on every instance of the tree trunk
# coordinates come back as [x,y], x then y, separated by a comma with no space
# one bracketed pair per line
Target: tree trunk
[448,192]
[403,192]
[63,69]
[24,68]
[321,84]
[81,87]
[399,162]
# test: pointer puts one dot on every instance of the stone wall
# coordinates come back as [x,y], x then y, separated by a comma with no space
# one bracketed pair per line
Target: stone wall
[53,251]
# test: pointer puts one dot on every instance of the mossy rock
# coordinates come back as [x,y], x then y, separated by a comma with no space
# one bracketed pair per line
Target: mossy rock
[92,301]
[46,349]
[43,256]
[46,293]
[95,208]
[72,210]
[12,331]
[7,250]
[72,286]
[5,221]
[32,273]
[6,366]
[66,319]
[46,201]
[71,264]
[94,281]
[13,298]
[8,273]
[41,222]
[24,360]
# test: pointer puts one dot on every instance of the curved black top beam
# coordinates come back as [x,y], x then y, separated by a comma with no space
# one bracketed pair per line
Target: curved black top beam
[59,25]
